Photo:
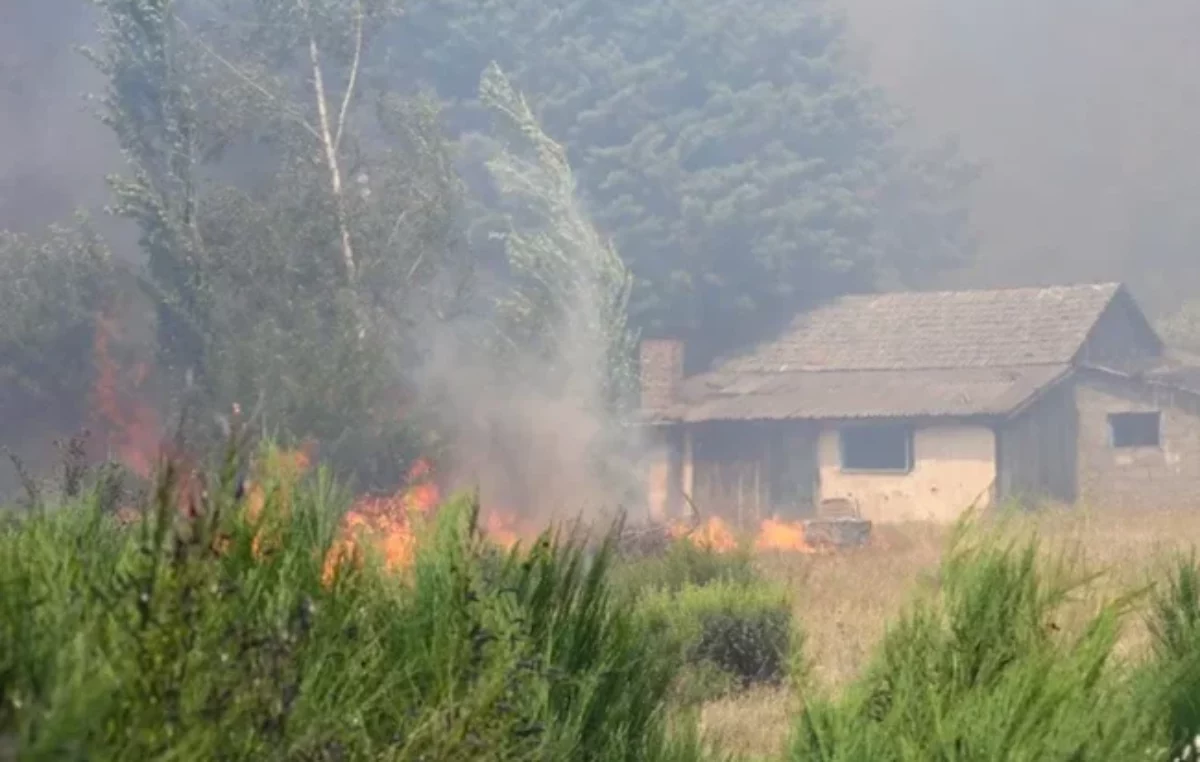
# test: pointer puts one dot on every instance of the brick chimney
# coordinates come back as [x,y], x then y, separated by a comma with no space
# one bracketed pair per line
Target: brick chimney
[661,362]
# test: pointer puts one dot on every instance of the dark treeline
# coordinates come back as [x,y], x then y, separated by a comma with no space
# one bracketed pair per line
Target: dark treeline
[309,190]
[741,157]
[742,162]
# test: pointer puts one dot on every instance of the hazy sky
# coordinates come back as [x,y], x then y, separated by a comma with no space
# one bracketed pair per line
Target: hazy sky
[53,155]
[1086,113]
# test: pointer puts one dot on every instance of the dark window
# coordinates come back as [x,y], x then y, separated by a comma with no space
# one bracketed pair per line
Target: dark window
[1134,429]
[877,448]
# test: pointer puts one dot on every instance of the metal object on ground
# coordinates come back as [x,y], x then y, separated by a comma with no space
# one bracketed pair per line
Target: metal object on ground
[839,524]
[837,533]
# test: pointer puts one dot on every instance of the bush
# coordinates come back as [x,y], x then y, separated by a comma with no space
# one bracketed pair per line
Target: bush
[1171,681]
[220,637]
[982,673]
[685,564]
[730,634]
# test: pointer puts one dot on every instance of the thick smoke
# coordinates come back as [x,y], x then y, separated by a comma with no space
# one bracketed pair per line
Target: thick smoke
[53,153]
[1084,112]
[535,396]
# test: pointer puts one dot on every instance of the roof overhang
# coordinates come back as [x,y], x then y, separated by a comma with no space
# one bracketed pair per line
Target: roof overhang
[976,393]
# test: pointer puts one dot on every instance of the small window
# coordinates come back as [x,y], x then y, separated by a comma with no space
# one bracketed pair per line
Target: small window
[1134,429]
[877,448]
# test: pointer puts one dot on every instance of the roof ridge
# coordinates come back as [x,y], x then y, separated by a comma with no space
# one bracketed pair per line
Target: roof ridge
[1081,285]
[883,369]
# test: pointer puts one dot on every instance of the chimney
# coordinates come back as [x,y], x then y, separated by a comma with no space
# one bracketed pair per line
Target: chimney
[661,362]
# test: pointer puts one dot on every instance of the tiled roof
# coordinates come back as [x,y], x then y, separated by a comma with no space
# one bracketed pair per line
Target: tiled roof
[868,394]
[944,329]
[946,353]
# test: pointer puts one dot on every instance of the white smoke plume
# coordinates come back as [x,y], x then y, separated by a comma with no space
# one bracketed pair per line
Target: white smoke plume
[537,396]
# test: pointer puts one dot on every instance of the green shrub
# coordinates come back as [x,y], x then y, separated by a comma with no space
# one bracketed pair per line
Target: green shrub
[685,564]
[220,638]
[1171,681]
[730,634]
[982,673]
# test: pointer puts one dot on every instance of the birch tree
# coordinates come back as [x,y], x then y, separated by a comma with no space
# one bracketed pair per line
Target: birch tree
[298,216]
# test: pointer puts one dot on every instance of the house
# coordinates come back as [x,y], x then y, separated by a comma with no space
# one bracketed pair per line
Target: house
[919,405]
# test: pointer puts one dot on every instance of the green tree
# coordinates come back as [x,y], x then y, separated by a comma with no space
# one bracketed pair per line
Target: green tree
[51,289]
[297,214]
[742,164]
[569,302]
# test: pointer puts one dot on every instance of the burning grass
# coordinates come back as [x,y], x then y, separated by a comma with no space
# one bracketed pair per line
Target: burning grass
[223,634]
[264,622]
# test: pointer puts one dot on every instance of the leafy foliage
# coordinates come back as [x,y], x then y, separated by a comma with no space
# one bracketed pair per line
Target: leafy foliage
[741,163]
[685,564]
[220,636]
[984,672]
[297,215]
[1173,678]
[51,287]
[569,303]
[731,635]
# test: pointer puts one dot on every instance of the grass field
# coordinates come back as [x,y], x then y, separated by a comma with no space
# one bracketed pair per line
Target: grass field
[845,601]
[228,633]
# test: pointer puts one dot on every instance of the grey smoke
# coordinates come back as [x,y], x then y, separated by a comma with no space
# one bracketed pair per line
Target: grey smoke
[1085,112]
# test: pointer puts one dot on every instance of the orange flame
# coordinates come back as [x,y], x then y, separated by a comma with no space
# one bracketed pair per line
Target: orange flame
[387,521]
[782,536]
[131,426]
[502,528]
[773,535]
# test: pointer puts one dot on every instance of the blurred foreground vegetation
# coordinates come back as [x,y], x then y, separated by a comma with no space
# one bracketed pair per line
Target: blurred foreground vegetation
[222,633]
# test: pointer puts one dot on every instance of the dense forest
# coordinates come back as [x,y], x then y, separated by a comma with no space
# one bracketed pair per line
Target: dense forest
[314,197]
[324,208]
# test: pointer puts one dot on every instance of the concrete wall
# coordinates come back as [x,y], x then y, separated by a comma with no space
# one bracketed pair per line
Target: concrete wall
[953,467]
[1167,476]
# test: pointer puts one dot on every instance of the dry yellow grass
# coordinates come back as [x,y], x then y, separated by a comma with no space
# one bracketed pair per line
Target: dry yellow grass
[844,601]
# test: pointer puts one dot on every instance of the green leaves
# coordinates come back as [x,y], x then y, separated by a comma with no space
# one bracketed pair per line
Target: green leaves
[149,644]
[984,671]
[50,289]
[569,302]
[298,216]
[740,162]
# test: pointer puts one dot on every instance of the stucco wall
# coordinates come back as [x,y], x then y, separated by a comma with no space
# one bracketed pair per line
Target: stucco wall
[953,467]
[1166,476]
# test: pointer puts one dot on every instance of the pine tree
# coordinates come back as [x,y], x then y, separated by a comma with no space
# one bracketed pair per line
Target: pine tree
[743,166]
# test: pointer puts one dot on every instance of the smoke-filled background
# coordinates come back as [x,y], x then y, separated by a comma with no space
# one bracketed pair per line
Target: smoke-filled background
[727,164]
[54,156]
[1083,113]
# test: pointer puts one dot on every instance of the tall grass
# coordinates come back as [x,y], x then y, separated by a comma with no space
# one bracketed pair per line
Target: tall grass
[217,636]
[1172,680]
[219,633]
[992,667]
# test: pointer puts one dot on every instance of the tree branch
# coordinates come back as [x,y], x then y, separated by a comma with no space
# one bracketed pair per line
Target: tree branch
[248,80]
[331,155]
[359,20]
